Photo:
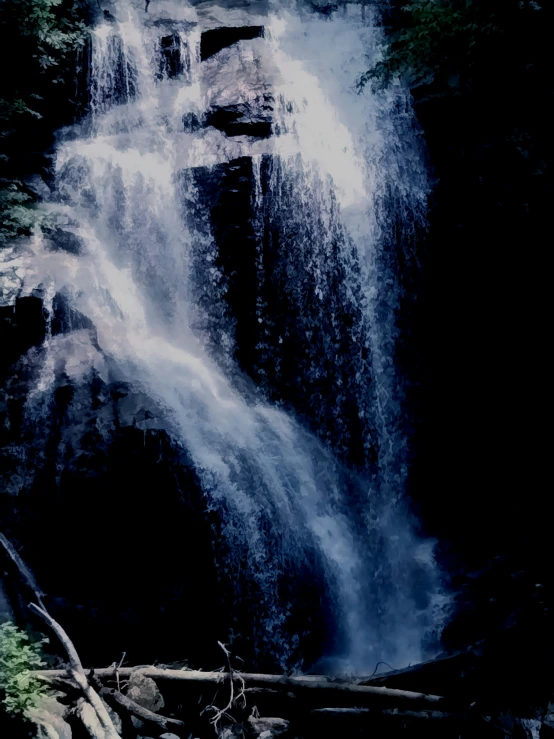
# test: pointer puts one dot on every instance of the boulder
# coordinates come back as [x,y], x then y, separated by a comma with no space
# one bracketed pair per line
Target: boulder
[238,83]
[144,691]
[14,266]
[49,719]
[531,727]
[173,56]
[267,728]
[61,239]
[253,118]
[216,39]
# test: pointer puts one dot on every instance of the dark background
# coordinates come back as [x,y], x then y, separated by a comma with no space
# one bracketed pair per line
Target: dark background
[476,336]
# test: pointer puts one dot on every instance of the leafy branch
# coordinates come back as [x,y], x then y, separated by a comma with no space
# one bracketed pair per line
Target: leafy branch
[21,689]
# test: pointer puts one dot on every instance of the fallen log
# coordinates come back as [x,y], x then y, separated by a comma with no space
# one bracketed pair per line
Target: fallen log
[308,682]
[149,717]
[394,713]
[444,673]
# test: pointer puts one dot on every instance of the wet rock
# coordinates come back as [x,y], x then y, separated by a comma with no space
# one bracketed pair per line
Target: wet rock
[244,119]
[233,732]
[61,239]
[38,187]
[239,87]
[171,24]
[531,727]
[191,123]
[23,324]
[174,57]
[548,718]
[324,8]
[267,728]
[216,39]
[144,691]
[65,319]
[13,267]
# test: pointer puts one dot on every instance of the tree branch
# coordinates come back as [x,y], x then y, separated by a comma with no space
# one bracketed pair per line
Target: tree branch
[24,571]
[139,711]
[303,682]
[394,713]
[77,673]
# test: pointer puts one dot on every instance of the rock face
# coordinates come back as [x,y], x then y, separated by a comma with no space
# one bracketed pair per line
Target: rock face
[244,119]
[216,39]
[268,728]
[96,441]
[238,81]
[13,268]
[261,247]
[174,57]
[78,441]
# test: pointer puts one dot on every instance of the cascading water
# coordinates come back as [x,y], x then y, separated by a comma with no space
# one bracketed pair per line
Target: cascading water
[322,166]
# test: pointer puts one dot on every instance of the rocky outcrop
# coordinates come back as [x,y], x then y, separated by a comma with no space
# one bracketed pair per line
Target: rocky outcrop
[216,39]
[239,85]
[144,691]
[268,728]
[244,119]
[174,57]
[261,247]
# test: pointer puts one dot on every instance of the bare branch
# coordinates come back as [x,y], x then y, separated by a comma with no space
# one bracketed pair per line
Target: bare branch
[117,670]
[74,661]
[24,571]
[220,713]
[139,711]
[78,674]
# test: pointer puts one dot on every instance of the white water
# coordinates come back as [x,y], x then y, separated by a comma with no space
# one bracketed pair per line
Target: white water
[117,183]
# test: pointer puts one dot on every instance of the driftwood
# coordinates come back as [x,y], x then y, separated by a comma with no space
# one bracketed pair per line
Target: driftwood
[308,682]
[94,699]
[114,696]
[77,674]
[92,710]
[224,712]
[389,713]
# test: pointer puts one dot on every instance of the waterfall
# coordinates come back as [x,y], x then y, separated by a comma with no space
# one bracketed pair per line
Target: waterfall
[269,355]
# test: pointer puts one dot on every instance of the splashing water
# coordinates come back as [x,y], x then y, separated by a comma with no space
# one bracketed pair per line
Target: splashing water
[333,160]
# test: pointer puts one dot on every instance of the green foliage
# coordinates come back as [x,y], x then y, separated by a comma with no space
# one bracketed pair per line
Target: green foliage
[38,43]
[18,656]
[442,42]
[18,217]
[54,27]
[483,67]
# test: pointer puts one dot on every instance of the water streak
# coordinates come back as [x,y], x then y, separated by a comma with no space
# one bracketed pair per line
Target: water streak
[333,158]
